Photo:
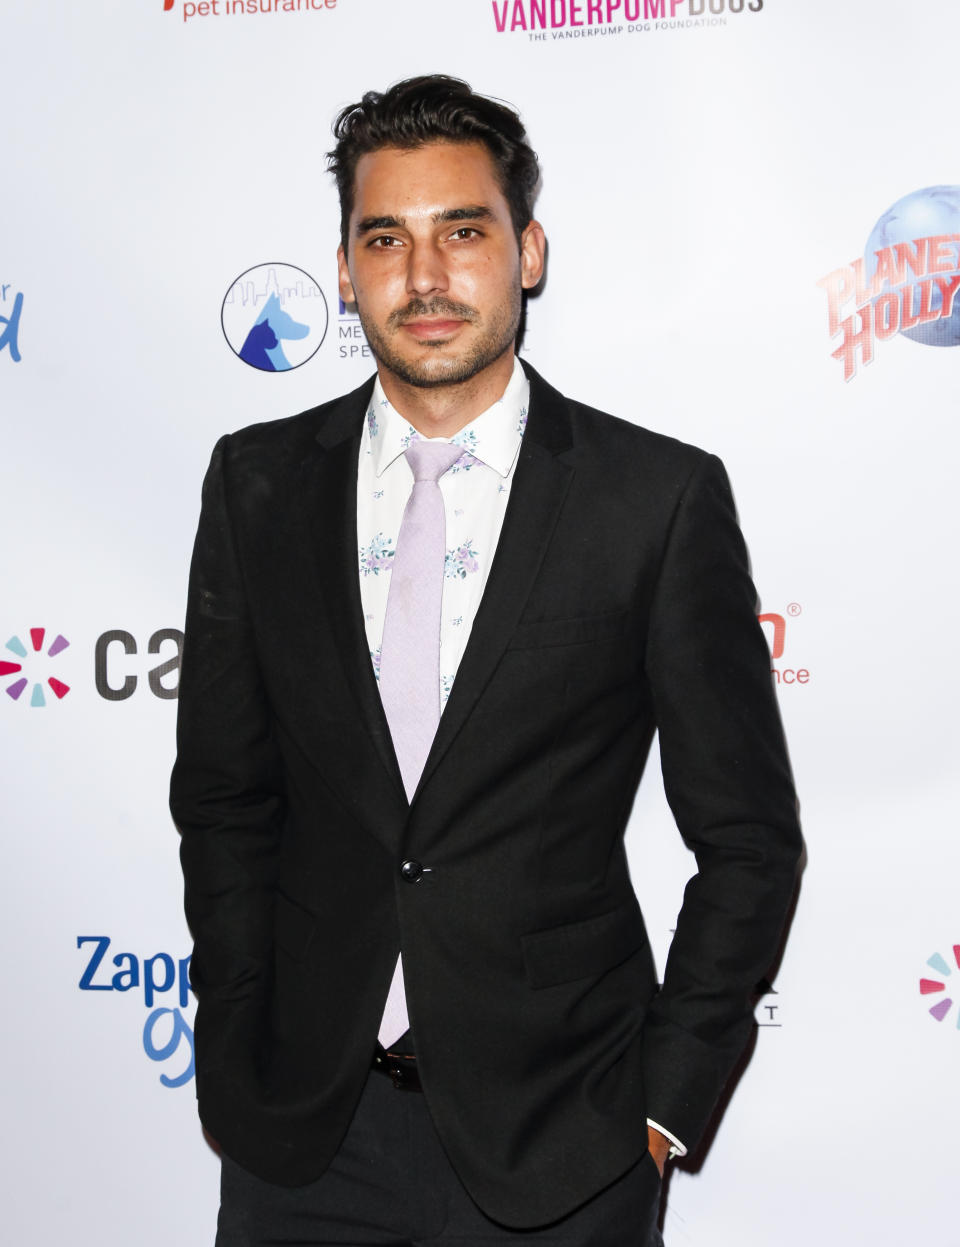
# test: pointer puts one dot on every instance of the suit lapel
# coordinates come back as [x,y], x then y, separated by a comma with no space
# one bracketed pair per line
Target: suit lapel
[329,490]
[539,487]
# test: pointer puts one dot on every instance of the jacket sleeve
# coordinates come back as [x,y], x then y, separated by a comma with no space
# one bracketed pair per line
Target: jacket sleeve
[225,795]
[727,779]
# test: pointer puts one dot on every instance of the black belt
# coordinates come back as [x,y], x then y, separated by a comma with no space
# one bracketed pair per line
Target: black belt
[399,1067]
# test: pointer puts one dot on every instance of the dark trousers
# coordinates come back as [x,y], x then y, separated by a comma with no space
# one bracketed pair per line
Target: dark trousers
[391,1185]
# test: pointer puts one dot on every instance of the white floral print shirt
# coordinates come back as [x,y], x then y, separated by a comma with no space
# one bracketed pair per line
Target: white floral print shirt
[475,493]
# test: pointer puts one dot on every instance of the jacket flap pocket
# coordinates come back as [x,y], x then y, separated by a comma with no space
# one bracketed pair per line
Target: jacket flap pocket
[579,631]
[582,949]
[293,926]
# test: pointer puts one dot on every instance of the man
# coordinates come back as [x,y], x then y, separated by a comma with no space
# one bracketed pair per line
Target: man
[432,626]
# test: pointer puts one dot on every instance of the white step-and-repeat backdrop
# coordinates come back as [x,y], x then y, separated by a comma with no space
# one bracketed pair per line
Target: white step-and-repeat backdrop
[754,217]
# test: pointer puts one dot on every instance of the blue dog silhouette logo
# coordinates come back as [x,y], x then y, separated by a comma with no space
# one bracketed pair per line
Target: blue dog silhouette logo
[262,348]
[274,317]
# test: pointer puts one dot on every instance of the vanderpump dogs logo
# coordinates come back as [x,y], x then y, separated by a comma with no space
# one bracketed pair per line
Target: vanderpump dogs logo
[543,20]
[245,8]
[274,317]
[907,282]
[27,664]
[167,1036]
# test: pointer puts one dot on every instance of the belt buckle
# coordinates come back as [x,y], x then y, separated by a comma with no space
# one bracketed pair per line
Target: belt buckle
[403,1077]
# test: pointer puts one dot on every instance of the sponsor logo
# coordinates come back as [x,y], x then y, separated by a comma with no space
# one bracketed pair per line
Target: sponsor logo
[116,682]
[11,305]
[274,317]
[943,1006]
[775,627]
[352,340]
[166,1035]
[767,1010]
[246,8]
[546,20]
[906,283]
[119,671]
[23,667]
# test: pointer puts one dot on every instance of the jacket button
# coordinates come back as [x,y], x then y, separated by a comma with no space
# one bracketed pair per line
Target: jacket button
[412,871]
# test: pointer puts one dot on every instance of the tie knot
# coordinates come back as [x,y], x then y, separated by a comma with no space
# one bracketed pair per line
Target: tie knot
[429,460]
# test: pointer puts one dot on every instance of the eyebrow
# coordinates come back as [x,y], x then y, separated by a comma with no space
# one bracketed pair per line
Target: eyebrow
[473,212]
[470,212]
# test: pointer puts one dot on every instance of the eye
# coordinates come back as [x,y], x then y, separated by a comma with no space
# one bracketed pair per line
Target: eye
[384,242]
[465,232]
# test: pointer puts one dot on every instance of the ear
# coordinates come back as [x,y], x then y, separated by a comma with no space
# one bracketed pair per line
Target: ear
[343,276]
[533,245]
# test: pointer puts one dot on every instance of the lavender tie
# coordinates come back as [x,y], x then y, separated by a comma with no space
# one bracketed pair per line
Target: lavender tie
[410,648]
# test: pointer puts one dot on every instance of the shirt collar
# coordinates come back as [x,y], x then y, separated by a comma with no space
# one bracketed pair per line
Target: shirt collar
[493,438]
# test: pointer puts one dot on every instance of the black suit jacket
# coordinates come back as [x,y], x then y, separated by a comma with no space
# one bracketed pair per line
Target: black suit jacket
[618,602]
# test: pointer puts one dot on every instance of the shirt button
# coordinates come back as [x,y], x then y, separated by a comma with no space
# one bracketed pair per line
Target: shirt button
[412,871]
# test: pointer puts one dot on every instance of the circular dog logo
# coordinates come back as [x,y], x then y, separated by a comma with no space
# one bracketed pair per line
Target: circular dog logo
[274,317]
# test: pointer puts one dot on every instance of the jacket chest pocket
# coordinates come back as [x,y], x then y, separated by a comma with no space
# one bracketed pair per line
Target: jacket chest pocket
[583,630]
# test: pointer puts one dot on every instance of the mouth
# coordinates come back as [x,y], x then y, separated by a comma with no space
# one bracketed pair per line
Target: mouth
[432,329]
[432,320]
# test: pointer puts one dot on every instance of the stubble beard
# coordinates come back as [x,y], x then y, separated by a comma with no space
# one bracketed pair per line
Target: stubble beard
[437,369]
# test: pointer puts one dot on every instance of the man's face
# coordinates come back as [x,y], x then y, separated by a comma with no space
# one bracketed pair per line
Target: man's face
[433,265]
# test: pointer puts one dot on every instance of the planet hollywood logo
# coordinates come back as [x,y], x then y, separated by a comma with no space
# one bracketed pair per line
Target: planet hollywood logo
[274,317]
[543,20]
[28,668]
[784,668]
[167,1035]
[906,283]
[943,1006]
[246,8]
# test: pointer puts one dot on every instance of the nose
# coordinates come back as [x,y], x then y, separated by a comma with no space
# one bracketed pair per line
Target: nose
[426,271]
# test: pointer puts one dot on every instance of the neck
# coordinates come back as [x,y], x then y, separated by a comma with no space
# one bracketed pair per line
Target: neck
[443,410]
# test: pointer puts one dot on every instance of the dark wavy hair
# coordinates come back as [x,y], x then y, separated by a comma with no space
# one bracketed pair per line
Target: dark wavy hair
[427,109]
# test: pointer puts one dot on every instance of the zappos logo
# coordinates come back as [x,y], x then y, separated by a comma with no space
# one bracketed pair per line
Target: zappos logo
[167,1035]
[907,283]
[274,317]
[942,1007]
[26,668]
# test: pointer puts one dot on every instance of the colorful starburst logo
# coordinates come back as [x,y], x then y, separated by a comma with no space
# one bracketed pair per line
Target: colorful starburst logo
[22,682]
[930,987]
